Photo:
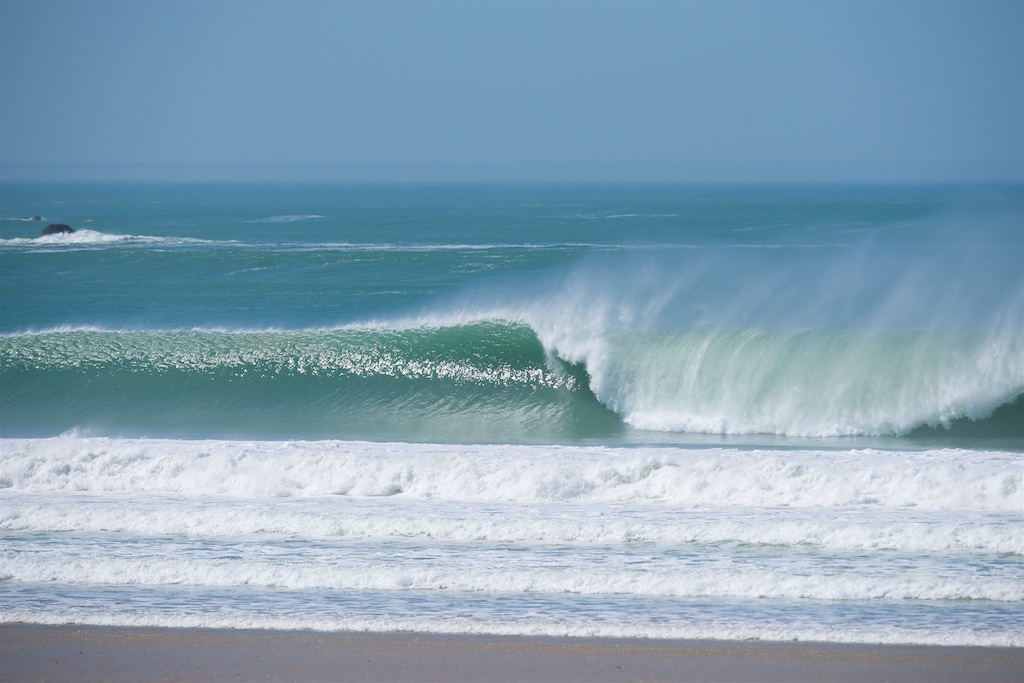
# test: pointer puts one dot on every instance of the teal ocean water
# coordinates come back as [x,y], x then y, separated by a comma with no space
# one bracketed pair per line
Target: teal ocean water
[678,411]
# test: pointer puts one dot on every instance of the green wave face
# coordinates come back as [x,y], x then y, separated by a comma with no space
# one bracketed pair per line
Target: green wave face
[484,381]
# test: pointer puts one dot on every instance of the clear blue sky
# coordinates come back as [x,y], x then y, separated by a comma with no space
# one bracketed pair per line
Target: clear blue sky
[691,91]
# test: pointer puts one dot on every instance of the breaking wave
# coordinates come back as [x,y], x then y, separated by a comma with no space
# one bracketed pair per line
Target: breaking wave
[500,379]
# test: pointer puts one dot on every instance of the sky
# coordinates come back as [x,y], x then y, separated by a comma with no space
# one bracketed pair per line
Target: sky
[728,91]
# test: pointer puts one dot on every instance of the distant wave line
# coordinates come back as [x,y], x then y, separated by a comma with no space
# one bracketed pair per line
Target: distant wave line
[91,239]
[293,218]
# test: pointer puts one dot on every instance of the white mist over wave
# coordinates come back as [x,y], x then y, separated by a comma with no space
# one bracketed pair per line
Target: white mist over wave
[806,383]
[917,329]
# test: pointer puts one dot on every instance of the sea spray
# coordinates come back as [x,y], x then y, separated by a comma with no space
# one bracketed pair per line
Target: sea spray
[806,382]
[899,331]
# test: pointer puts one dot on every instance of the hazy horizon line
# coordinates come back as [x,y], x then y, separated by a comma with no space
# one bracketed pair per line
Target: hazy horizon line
[498,172]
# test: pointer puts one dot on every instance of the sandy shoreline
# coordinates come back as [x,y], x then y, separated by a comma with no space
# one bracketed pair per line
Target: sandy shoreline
[31,652]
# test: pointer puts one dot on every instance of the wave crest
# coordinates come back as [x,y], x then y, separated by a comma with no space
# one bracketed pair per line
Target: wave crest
[500,379]
[85,238]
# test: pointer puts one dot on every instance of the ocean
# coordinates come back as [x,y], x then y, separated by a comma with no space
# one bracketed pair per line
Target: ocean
[659,411]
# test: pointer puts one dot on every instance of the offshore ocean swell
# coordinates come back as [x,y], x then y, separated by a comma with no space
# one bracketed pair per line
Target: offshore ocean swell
[681,412]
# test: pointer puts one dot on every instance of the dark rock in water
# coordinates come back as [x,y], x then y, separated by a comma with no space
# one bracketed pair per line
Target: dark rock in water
[56,229]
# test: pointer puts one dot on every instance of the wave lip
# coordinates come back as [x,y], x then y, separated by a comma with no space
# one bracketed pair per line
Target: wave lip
[802,382]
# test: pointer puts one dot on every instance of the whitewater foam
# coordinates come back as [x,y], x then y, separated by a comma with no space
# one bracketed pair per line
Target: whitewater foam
[85,238]
[936,480]
[846,529]
[783,629]
[698,572]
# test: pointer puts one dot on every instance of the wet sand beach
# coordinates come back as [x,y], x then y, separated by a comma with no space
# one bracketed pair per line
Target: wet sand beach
[33,652]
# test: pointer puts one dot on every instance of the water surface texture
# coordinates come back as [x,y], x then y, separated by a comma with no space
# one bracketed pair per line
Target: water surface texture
[660,411]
